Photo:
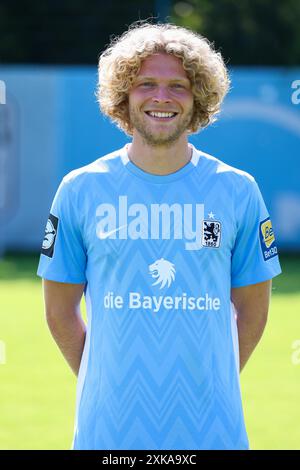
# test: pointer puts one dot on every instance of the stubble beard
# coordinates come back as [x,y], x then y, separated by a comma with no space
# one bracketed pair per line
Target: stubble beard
[155,139]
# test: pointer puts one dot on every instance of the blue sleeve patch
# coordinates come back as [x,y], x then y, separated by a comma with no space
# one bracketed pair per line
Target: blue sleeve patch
[267,239]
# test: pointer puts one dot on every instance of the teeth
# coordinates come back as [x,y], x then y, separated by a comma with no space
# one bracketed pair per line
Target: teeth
[161,115]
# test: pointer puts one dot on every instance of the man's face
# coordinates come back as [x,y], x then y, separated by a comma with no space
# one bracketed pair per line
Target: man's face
[162,86]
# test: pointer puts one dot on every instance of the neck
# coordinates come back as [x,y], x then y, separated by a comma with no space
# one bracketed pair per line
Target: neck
[159,160]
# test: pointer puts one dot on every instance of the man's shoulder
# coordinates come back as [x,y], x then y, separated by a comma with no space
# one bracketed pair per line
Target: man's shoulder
[223,170]
[103,166]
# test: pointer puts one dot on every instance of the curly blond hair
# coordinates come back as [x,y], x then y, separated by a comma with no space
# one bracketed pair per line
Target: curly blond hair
[120,63]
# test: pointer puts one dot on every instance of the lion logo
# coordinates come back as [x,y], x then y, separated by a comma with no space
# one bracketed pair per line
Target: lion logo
[164,271]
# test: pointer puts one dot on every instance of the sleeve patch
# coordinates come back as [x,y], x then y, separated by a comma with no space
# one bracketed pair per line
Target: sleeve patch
[267,239]
[50,236]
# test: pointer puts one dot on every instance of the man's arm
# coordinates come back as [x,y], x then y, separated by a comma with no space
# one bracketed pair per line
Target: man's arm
[62,307]
[252,305]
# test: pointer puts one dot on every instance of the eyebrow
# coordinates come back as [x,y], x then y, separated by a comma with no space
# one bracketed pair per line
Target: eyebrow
[177,79]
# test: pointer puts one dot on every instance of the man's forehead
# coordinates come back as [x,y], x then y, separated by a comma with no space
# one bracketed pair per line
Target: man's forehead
[162,63]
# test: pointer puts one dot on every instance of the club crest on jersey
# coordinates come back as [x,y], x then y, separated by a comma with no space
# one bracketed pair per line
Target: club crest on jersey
[267,239]
[50,236]
[163,271]
[211,233]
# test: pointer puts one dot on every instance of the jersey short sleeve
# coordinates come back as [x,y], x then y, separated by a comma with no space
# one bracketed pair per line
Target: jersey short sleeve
[255,255]
[63,255]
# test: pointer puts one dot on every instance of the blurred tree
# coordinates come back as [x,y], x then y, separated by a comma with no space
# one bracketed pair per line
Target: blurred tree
[255,32]
[64,31]
[258,32]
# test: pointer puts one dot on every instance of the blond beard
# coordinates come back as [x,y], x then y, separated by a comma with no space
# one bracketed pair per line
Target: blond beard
[155,140]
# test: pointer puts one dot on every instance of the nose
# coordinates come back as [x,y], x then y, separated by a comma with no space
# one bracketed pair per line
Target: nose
[161,95]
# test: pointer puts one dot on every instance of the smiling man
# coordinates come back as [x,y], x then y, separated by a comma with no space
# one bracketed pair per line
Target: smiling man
[174,251]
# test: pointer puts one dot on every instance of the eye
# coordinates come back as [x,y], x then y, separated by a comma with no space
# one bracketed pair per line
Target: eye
[146,84]
[178,85]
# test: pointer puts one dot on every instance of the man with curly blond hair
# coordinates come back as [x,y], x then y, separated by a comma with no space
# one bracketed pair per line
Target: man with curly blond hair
[174,251]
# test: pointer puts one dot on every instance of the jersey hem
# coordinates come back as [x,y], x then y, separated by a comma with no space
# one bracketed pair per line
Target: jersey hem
[61,279]
[250,281]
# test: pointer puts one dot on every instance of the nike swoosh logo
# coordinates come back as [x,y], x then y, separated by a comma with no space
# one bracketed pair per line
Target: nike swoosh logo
[104,235]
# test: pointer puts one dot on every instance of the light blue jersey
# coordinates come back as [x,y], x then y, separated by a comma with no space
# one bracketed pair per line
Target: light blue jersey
[159,255]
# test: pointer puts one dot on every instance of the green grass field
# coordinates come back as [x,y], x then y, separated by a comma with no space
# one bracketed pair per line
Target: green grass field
[37,389]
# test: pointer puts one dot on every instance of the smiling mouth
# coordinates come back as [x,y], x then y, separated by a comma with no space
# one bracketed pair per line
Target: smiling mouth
[161,116]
